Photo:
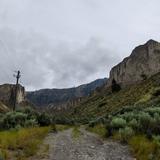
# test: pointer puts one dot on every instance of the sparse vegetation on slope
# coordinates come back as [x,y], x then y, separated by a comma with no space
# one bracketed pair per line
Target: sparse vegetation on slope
[138,95]
[131,116]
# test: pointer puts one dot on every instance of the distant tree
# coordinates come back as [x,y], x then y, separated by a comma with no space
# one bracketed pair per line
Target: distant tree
[44,119]
[143,76]
[115,87]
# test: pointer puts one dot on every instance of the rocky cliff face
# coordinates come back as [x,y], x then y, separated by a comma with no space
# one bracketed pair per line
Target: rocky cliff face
[143,62]
[63,97]
[7,93]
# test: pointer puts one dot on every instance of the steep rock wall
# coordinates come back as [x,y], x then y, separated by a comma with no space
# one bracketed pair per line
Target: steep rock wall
[143,62]
[7,93]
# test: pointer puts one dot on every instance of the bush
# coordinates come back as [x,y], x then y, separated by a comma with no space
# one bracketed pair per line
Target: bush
[156,139]
[115,87]
[117,123]
[156,91]
[157,117]
[145,120]
[152,110]
[12,119]
[109,129]
[134,124]
[125,134]
[100,120]
[128,116]
[31,123]
[44,119]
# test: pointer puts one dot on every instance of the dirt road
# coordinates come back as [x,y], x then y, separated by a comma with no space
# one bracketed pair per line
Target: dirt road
[62,146]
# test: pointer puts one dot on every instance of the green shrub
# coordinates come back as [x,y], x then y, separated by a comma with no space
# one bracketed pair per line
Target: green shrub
[156,91]
[134,124]
[156,139]
[117,123]
[125,134]
[109,129]
[128,116]
[100,120]
[44,119]
[31,123]
[145,121]
[152,110]
[157,117]
[12,119]
[115,87]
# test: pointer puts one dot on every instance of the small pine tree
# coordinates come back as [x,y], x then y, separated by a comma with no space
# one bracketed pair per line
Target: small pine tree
[115,87]
[143,76]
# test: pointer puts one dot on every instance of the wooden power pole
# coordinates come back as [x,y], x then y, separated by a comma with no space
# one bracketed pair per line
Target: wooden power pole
[16,88]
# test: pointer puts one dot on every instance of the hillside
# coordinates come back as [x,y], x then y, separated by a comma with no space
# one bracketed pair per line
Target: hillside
[47,97]
[139,78]
[140,94]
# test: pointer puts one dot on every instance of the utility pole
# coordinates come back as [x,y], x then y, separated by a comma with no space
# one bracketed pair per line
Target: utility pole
[17,76]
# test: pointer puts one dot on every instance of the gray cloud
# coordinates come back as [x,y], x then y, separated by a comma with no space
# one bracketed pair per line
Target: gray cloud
[46,64]
[59,43]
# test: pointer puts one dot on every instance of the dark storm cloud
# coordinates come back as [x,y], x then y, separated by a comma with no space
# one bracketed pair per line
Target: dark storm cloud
[61,43]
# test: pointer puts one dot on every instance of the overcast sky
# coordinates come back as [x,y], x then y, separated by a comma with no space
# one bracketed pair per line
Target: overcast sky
[64,43]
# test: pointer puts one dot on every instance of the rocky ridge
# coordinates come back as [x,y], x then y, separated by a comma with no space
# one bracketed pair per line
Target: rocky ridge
[143,62]
[62,98]
[7,94]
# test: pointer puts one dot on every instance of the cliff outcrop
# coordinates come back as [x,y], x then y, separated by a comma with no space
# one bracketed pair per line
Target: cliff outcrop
[143,62]
[7,94]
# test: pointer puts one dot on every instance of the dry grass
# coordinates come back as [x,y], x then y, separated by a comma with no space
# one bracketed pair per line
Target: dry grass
[99,129]
[143,148]
[76,133]
[60,127]
[22,143]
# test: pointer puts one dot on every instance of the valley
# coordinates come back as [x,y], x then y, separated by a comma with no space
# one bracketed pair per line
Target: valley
[108,119]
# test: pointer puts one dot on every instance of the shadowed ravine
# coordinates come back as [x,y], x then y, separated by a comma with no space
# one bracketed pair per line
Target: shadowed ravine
[63,146]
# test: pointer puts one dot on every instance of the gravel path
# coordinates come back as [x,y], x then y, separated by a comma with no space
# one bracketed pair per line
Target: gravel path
[62,146]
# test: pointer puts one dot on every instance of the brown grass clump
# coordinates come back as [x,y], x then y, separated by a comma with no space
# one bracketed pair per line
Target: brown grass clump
[23,143]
